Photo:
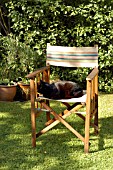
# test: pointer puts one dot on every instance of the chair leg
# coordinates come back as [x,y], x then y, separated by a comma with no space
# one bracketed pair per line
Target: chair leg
[33,124]
[48,113]
[87,132]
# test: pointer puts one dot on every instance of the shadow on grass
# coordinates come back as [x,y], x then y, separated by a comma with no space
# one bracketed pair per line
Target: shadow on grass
[106,132]
[57,149]
[53,148]
[105,121]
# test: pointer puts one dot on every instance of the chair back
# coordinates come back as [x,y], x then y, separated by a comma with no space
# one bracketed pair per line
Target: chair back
[72,56]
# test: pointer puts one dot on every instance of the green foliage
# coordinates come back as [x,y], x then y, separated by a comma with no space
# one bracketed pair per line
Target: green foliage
[70,23]
[17,58]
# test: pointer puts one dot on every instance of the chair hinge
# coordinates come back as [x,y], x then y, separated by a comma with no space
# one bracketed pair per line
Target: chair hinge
[39,110]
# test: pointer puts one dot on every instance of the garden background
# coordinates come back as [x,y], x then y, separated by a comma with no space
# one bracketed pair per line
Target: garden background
[28,25]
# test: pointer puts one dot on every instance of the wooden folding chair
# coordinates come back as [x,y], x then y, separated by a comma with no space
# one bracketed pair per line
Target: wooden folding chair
[67,57]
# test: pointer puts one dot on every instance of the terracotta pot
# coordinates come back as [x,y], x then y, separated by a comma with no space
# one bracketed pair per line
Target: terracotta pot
[7,93]
[25,88]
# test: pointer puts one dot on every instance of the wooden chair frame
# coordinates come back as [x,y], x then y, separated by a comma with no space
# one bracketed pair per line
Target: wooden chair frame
[40,104]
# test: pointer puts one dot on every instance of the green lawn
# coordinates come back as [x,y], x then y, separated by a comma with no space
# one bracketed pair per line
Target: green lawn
[58,149]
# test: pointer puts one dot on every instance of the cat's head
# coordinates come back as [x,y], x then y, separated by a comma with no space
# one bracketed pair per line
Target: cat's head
[43,87]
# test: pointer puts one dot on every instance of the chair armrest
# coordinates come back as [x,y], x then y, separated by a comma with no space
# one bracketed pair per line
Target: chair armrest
[40,70]
[93,73]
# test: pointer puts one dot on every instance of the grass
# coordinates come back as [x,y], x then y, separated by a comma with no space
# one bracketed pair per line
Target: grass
[58,149]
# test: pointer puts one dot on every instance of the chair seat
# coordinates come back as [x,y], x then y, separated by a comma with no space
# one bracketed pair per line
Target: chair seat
[72,100]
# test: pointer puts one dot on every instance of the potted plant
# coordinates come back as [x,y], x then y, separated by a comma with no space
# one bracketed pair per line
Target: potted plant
[24,88]
[16,60]
[7,90]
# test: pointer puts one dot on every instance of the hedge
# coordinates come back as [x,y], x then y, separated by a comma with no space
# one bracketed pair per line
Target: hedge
[70,23]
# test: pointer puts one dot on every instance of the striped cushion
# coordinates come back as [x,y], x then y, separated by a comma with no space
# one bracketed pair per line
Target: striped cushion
[72,56]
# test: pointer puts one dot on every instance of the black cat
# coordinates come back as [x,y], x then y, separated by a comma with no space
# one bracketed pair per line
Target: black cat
[60,90]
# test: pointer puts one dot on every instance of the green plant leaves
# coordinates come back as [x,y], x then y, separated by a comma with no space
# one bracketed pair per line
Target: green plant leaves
[69,23]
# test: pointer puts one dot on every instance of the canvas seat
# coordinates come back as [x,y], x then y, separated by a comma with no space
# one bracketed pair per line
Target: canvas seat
[67,57]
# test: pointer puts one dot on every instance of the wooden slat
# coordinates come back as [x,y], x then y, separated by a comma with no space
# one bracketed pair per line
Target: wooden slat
[92,74]
[87,119]
[60,119]
[33,118]
[32,75]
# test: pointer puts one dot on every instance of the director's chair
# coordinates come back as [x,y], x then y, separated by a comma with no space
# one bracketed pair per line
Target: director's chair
[67,57]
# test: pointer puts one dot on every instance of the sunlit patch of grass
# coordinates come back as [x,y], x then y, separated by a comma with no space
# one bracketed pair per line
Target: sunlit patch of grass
[57,149]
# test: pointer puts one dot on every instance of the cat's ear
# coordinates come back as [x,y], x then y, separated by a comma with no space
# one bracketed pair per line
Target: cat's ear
[42,82]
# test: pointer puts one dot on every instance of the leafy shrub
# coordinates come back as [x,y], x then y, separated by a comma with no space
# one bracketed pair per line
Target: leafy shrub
[17,59]
[70,23]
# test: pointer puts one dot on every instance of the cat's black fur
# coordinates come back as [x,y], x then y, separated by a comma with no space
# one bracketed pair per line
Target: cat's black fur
[60,90]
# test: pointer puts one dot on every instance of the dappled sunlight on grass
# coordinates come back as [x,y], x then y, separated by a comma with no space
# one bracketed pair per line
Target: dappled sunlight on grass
[57,149]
